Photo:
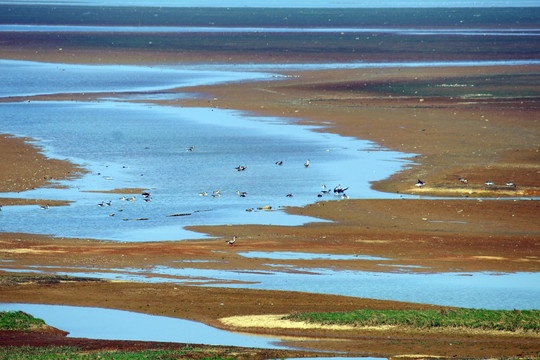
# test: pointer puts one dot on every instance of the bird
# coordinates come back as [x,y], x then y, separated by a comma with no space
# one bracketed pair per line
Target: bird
[191,148]
[489,183]
[0,207]
[279,162]
[511,184]
[44,207]
[323,186]
[419,183]
[241,193]
[241,168]
[339,190]
[131,198]
[101,204]
[289,195]
[123,198]
[204,193]
[463,181]
[146,194]
[306,163]
[232,241]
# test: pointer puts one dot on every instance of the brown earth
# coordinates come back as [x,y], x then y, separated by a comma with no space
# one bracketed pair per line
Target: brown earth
[455,132]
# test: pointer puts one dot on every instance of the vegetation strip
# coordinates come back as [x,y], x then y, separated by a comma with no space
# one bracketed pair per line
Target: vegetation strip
[18,320]
[506,320]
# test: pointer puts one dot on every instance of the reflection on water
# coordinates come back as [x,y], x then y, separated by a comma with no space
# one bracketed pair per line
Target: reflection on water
[108,324]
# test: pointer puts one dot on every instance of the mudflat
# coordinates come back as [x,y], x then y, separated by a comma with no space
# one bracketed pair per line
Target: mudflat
[474,123]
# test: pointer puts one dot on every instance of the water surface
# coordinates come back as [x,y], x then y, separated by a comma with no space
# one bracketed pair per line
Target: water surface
[138,145]
[109,324]
[287,4]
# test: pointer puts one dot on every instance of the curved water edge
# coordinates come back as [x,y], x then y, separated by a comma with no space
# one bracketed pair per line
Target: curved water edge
[136,145]
[110,324]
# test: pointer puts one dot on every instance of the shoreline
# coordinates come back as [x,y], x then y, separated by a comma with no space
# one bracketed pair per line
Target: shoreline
[486,130]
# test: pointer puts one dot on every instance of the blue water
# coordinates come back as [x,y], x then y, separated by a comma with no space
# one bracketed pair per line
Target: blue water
[186,29]
[138,145]
[482,290]
[287,4]
[109,324]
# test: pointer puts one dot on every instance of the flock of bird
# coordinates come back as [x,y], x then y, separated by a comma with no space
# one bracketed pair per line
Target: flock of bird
[488,183]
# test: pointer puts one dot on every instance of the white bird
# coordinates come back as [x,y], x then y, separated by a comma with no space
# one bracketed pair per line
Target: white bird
[512,184]
[279,162]
[44,207]
[203,193]
[307,163]
[463,181]
[241,193]
[241,168]
[489,183]
[231,242]
[191,148]
[419,183]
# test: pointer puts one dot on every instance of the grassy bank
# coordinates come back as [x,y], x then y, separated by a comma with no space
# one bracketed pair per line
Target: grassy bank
[506,320]
[18,320]
[66,352]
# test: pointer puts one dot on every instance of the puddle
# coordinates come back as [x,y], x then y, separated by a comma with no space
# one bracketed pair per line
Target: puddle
[108,324]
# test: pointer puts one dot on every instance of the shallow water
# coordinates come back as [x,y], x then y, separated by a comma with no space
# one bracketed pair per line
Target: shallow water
[108,324]
[179,29]
[282,3]
[28,78]
[137,145]
[484,290]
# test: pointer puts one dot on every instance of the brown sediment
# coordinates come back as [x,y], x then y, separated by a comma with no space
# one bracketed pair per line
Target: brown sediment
[482,132]
[24,167]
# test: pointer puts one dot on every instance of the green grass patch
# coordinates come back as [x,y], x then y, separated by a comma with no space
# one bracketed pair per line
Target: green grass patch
[66,352]
[18,320]
[507,320]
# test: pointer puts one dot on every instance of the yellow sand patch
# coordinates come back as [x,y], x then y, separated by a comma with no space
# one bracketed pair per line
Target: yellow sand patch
[276,321]
[466,190]
[30,251]
[372,241]
[489,257]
